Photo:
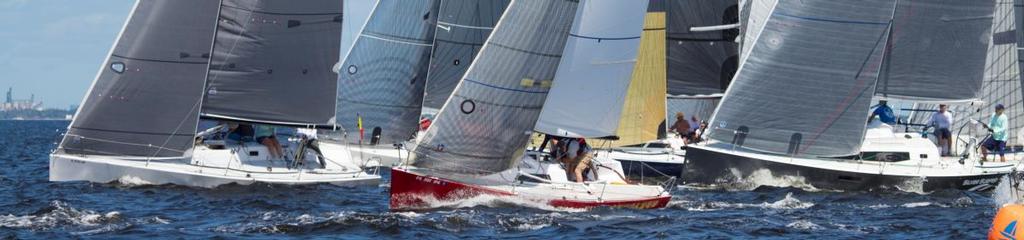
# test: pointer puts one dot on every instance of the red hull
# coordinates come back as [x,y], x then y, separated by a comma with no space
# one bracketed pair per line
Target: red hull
[408,191]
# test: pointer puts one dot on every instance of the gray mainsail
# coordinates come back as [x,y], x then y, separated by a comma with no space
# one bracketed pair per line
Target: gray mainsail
[807,83]
[462,28]
[485,125]
[272,62]
[145,99]
[381,80]
[701,62]
[926,35]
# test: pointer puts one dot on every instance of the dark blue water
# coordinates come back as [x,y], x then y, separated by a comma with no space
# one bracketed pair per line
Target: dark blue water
[32,207]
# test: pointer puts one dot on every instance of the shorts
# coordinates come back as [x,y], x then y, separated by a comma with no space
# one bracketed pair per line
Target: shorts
[943,133]
[995,146]
[260,139]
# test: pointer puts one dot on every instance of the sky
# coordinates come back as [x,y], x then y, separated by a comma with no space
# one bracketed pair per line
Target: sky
[54,48]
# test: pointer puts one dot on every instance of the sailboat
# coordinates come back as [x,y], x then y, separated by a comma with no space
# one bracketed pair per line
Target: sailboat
[700,57]
[262,62]
[429,45]
[538,59]
[798,102]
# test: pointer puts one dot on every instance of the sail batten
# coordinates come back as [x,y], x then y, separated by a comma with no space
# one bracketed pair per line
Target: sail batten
[380,87]
[272,62]
[597,67]
[926,36]
[486,123]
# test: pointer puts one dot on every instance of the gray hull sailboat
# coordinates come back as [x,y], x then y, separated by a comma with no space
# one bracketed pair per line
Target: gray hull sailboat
[797,107]
[238,62]
[542,58]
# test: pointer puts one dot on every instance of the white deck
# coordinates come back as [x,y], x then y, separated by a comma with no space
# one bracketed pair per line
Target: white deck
[235,163]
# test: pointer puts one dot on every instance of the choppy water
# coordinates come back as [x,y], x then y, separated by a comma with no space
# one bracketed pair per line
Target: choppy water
[32,207]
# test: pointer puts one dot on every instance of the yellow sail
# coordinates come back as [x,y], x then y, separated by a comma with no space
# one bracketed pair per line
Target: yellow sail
[644,110]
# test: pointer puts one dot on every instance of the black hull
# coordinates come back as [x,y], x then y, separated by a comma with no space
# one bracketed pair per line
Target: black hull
[711,167]
[637,170]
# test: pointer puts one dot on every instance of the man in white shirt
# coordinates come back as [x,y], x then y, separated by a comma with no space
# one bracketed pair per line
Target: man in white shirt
[942,120]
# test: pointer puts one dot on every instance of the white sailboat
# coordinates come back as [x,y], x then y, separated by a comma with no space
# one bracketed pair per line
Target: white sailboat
[264,62]
[476,145]
[797,105]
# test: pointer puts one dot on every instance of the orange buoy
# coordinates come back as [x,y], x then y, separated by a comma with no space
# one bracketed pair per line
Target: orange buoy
[1005,224]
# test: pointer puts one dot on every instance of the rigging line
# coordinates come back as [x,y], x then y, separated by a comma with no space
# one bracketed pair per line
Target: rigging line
[603,38]
[499,87]
[464,26]
[396,41]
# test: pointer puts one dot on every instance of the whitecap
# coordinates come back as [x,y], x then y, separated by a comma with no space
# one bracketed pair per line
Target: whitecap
[803,225]
[921,204]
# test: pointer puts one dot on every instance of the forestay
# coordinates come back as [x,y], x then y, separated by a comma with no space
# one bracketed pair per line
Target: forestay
[807,83]
[381,81]
[593,76]
[272,62]
[462,28]
[937,50]
[145,99]
[486,123]
[701,44]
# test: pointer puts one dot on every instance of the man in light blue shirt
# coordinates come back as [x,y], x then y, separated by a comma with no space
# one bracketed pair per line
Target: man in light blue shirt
[997,126]
[884,113]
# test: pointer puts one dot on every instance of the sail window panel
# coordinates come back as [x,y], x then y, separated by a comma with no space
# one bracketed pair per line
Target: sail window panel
[117,67]
[387,71]
[463,26]
[807,84]
[272,62]
[527,43]
[937,50]
[596,67]
[700,62]
[146,105]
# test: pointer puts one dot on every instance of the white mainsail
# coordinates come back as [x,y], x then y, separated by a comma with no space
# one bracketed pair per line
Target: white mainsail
[593,76]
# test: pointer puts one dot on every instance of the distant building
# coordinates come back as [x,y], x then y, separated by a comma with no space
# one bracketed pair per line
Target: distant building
[11,104]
